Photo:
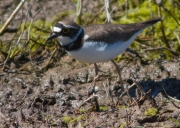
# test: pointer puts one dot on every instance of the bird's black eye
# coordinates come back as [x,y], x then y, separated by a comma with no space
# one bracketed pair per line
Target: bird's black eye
[65,30]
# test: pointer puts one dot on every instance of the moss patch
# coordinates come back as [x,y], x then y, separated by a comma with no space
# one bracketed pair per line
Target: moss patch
[151,112]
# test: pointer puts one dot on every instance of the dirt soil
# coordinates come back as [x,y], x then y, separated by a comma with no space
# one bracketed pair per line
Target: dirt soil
[33,96]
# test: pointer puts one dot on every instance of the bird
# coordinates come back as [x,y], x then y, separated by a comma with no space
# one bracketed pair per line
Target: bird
[97,43]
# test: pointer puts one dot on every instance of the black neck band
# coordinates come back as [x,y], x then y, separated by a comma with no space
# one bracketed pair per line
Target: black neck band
[75,45]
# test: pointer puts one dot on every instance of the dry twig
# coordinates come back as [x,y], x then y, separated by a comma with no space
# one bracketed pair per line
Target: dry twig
[162,48]
[93,96]
[171,98]
[109,19]
[12,16]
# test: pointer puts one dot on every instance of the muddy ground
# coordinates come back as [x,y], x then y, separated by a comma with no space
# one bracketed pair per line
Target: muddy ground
[33,94]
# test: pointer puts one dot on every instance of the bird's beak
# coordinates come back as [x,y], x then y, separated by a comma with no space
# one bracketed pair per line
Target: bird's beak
[54,35]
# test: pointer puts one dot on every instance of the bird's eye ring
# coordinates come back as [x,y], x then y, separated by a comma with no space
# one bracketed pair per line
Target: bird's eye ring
[65,30]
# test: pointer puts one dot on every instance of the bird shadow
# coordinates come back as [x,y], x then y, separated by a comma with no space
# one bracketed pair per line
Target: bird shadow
[171,86]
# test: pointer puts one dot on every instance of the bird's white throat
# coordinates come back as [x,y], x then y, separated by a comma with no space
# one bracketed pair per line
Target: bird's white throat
[65,40]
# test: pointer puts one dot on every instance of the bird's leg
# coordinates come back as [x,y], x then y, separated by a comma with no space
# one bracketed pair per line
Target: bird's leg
[94,80]
[121,81]
[91,93]
[96,73]
[94,83]
[119,72]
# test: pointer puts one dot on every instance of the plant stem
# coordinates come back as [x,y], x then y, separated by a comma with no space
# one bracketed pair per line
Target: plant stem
[162,29]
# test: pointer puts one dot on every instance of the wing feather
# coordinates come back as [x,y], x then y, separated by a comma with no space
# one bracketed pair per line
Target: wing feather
[111,33]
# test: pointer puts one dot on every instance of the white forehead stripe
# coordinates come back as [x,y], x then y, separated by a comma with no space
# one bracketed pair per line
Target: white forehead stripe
[56,29]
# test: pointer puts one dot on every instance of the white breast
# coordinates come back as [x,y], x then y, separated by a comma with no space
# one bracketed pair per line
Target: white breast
[93,52]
